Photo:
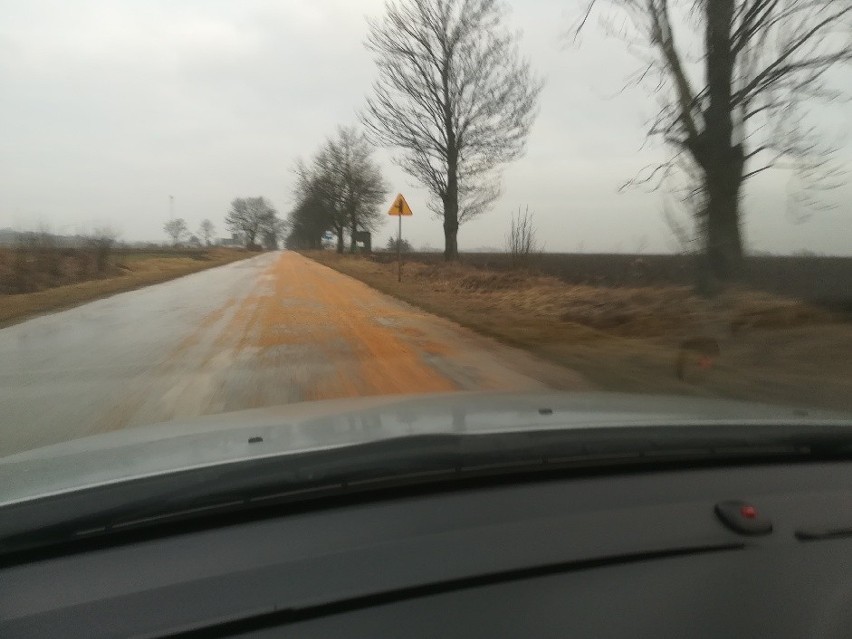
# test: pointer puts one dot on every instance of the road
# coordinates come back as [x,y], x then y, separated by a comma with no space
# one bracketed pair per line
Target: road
[270,330]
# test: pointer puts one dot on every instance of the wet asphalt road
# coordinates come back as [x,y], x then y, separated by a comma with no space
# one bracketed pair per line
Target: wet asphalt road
[270,330]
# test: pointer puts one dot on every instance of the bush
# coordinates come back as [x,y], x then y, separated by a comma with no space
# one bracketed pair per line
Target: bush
[101,243]
[405,245]
[521,242]
[40,260]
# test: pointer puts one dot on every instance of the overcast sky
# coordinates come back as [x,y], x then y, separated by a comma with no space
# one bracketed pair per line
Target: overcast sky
[107,107]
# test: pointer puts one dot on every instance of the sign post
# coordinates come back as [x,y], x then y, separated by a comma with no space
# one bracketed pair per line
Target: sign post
[399,208]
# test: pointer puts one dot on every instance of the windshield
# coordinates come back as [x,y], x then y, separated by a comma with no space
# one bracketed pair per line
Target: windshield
[208,208]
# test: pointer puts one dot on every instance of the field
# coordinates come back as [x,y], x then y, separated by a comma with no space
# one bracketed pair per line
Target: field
[53,278]
[826,281]
[631,330]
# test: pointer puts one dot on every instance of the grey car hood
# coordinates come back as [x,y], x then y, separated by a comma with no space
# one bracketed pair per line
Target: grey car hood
[292,429]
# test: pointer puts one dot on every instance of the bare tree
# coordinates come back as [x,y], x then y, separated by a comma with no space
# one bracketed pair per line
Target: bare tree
[358,178]
[318,192]
[521,241]
[176,229]
[206,230]
[454,96]
[344,185]
[250,217]
[272,233]
[735,104]
[310,219]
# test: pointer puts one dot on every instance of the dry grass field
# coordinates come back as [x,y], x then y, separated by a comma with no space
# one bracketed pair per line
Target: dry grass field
[630,338]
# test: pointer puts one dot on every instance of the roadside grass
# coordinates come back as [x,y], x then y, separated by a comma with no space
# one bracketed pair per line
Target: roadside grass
[131,270]
[772,348]
[128,256]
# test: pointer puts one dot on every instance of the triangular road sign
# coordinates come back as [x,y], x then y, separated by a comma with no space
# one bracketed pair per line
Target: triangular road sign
[400,207]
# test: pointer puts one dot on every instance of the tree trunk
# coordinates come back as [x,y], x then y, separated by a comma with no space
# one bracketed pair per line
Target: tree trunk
[451,197]
[451,246]
[722,233]
[451,211]
[720,157]
[340,240]
[352,245]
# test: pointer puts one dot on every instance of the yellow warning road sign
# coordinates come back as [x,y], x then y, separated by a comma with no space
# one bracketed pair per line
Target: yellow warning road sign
[400,207]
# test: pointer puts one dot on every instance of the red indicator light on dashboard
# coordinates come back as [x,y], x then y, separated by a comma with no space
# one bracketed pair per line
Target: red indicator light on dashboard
[743,517]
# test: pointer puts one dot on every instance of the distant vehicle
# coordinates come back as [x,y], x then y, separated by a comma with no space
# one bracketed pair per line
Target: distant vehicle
[471,515]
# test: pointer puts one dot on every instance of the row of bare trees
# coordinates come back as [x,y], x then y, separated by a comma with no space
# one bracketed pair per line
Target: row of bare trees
[339,190]
[454,99]
[178,232]
[252,220]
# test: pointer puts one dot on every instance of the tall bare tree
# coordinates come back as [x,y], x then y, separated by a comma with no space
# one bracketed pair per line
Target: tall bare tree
[251,217]
[454,95]
[736,104]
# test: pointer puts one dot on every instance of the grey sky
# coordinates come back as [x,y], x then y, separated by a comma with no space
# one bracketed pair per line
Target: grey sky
[109,107]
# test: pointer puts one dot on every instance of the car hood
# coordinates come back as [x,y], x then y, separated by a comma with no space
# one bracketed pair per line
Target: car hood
[312,426]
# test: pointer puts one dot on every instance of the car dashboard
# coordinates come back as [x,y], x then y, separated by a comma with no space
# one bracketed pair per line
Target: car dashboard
[629,554]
